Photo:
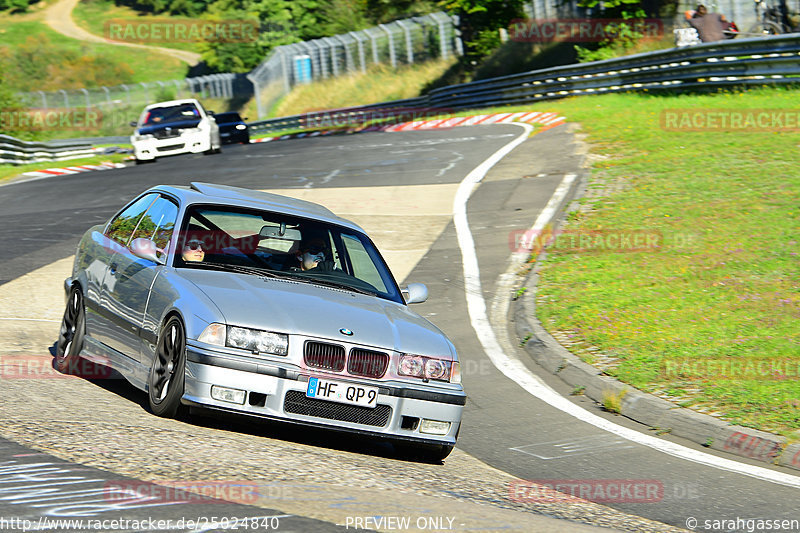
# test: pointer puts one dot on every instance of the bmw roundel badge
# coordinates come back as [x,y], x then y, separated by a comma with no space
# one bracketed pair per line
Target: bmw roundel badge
[345,331]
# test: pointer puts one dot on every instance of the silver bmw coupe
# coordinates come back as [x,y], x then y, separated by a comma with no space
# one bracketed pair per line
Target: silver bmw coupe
[252,303]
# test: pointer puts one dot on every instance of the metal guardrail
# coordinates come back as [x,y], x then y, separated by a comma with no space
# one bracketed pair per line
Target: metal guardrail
[16,152]
[710,66]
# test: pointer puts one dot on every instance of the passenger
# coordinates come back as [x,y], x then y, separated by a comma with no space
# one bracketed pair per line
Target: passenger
[710,26]
[193,251]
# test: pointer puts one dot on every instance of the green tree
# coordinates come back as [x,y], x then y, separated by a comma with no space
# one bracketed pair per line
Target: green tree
[480,22]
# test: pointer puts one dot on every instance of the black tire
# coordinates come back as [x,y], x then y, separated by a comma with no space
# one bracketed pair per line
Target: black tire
[71,334]
[167,373]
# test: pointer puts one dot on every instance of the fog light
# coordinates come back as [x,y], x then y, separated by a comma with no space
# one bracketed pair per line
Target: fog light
[224,394]
[434,427]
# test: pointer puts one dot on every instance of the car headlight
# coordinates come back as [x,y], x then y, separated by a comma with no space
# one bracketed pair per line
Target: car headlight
[191,130]
[241,127]
[253,340]
[418,366]
[145,137]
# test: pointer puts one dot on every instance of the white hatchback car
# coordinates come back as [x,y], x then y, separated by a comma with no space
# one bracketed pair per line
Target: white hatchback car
[174,127]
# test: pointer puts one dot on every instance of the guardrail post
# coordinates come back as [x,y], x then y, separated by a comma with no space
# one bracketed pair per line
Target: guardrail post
[44,99]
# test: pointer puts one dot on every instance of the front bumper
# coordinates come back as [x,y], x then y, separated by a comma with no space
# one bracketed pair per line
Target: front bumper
[278,393]
[147,149]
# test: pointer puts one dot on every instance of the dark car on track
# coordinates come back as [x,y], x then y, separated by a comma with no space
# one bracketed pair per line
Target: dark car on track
[232,129]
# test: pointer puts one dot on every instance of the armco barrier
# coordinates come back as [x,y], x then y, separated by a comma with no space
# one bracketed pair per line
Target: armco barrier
[738,62]
[16,152]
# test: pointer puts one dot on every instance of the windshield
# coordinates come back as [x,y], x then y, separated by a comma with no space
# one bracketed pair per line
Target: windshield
[228,117]
[277,245]
[176,113]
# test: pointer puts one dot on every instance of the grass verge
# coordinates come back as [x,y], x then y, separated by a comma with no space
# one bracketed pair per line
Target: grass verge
[709,319]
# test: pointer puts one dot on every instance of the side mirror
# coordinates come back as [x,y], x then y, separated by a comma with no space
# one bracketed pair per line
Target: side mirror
[134,124]
[415,293]
[146,249]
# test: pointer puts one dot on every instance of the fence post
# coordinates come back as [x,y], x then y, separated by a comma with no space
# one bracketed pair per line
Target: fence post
[66,98]
[44,99]
[360,41]
[409,46]
[108,95]
[392,58]
[348,55]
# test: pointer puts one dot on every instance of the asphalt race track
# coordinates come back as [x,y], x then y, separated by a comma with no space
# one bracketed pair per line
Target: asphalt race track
[400,187]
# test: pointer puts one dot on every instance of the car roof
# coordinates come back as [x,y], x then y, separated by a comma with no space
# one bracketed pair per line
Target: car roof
[173,103]
[210,193]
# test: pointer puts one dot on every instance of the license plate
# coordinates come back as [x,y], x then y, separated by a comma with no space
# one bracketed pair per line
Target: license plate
[339,391]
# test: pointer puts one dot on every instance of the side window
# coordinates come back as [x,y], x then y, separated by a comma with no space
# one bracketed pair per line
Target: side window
[123,225]
[363,267]
[158,223]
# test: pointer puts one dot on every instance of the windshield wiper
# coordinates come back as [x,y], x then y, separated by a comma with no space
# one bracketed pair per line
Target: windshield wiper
[241,269]
[336,285]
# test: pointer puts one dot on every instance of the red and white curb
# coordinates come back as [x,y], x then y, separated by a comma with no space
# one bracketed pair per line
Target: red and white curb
[71,170]
[549,120]
[546,119]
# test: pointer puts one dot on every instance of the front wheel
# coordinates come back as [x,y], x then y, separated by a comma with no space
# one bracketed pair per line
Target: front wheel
[71,334]
[165,383]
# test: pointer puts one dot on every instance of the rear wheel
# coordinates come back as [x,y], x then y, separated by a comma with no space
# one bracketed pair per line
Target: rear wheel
[165,383]
[71,334]
[766,28]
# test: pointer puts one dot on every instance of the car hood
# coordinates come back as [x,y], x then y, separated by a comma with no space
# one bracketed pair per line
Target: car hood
[301,308]
[176,125]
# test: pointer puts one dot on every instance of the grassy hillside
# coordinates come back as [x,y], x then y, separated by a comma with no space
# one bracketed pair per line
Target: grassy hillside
[35,57]
[94,15]
[380,84]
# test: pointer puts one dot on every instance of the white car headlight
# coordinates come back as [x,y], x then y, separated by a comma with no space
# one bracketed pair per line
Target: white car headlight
[418,366]
[241,127]
[256,340]
[191,130]
[252,340]
[144,137]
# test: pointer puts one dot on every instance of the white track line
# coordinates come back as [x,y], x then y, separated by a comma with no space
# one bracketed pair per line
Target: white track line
[513,369]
